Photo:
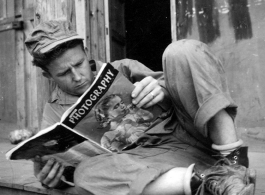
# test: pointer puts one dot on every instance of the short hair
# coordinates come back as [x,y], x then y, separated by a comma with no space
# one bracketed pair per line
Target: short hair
[44,60]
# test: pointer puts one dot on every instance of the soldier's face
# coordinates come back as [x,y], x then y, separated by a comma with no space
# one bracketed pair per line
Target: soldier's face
[71,71]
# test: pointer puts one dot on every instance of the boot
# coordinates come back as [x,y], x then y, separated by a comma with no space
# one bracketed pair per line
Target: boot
[223,179]
[239,157]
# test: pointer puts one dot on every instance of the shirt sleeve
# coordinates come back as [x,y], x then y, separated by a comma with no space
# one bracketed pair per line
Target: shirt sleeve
[136,71]
[51,114]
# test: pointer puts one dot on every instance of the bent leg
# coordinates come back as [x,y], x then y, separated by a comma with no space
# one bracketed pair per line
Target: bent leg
[196,82]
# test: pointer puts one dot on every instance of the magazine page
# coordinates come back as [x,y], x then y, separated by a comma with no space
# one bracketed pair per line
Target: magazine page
[113,122]
[102,120]
[56,139]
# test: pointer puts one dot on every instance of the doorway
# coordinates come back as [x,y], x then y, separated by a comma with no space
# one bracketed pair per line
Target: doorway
[148,31]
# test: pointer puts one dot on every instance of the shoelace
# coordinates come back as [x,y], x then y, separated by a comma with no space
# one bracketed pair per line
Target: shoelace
[210,183]
[213,181]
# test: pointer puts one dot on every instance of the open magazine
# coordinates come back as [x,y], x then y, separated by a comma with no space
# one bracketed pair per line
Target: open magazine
[102,120]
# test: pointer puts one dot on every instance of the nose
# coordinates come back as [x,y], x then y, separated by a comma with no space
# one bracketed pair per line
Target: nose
[76,75]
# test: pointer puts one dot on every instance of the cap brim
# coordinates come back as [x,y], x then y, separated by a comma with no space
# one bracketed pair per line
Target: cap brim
[54,44]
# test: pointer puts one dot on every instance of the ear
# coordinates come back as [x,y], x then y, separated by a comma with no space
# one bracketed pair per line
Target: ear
[47,75]
[86,51]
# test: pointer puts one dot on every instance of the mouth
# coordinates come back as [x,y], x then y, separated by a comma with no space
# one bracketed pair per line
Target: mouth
[81,85]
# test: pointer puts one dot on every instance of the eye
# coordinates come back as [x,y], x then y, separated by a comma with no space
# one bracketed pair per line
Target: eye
[116,106]
[79,64]
[63,73]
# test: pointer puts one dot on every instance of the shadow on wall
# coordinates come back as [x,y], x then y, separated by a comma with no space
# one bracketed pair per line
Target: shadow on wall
[240,19]
[207,14]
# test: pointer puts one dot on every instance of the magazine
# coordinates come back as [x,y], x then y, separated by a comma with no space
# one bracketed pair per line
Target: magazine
[102,120]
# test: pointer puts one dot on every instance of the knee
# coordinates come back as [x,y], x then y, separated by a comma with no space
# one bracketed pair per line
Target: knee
[182,47]
[178,54]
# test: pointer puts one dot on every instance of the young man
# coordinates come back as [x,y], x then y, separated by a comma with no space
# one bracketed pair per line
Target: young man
[194,149]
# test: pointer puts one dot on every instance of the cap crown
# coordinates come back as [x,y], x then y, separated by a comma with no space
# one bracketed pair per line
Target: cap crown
[48,35]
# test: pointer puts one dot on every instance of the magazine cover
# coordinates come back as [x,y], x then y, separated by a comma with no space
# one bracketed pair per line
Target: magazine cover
[102,120]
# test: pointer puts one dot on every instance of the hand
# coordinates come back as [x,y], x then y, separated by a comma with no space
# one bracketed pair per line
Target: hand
[147,92]
[132,138]
[50,174]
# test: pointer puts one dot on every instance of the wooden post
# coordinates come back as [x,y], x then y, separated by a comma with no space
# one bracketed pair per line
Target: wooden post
[93,29]
[173,20]
[106,8]
[20,78]
[81,19]
[101,31]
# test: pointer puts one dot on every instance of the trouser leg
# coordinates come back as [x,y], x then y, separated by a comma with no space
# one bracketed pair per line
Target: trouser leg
[131,172]
[196,82]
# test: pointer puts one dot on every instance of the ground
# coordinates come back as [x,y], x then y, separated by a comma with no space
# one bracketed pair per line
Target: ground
[16,177]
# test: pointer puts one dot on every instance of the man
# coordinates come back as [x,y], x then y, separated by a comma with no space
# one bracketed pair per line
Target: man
[194,149]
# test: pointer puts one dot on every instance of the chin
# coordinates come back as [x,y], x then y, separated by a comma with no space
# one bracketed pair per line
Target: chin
[76,93]
[80,91]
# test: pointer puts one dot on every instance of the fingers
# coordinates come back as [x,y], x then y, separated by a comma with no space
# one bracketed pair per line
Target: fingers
[49,174]
[147,92]
[37,165]
[54,176]
[41,176]
[157,98]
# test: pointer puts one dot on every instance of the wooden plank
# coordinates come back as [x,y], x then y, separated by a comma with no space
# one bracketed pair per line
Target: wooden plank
[33,80]
[8,191]
[7,76]
[101,31]
[8,183]
[28,3]
[12,25]
[28,13]
[173,20]
[88,29]
[10,8]
[18,8]
[94,29]
[49,9]
[3,9]
[71,12]
[20,80]
[43,93]
[107,34]
[81,25]
[30,85]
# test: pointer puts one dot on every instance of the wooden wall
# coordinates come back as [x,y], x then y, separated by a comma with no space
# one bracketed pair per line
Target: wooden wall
[23,89]
[10,75]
